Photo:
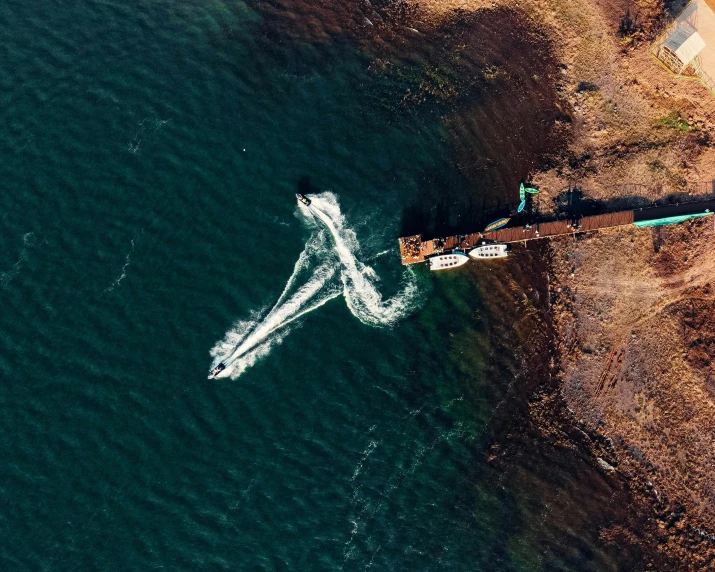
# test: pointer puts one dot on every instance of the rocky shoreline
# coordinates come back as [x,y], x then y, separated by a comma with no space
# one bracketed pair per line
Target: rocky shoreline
[652,530]
[630,381]
[539,418]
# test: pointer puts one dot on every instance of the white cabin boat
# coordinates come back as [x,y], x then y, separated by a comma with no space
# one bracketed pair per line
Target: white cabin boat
[445,261]
[489,251]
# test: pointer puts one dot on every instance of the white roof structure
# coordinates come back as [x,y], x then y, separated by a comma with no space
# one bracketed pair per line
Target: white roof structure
[685,43]
[690,45]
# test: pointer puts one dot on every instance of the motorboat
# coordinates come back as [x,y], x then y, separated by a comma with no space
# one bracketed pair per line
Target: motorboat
[489,251]
[445,261]
[303,199]
[218,369]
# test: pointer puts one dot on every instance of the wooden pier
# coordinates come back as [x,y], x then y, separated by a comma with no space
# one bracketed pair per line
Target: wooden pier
[413,249]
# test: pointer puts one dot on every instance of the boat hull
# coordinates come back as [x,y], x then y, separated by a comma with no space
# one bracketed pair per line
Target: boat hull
[496,224]
[489,251]
[217,370]
[447,261]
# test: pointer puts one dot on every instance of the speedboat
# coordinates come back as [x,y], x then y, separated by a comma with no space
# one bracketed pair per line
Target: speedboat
[489,251]
[444,261]
[303,199]
[218,369]
[496,224]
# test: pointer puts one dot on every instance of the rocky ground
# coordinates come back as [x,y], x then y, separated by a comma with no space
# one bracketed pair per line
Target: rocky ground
[634,311]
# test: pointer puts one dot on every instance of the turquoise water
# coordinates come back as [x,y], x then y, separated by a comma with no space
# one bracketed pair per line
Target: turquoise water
[150,156]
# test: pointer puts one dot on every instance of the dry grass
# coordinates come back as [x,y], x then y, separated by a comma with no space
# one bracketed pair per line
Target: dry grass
[635,309]
[615,95]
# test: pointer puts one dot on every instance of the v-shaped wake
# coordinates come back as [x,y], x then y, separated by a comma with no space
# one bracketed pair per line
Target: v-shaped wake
[326,268]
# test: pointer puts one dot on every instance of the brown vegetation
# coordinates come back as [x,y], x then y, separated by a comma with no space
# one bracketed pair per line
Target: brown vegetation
[635,313]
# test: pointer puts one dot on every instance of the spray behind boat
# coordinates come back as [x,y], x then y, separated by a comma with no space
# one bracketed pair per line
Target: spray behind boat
[329,266]
[222,366]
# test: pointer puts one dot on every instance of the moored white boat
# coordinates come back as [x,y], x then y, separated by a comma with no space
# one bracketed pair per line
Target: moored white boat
[445,261]
[489,251]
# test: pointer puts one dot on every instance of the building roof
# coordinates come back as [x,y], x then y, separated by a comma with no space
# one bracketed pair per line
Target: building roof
[685,43]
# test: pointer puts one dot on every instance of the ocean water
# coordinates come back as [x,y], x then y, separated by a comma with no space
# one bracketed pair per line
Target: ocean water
[150,153]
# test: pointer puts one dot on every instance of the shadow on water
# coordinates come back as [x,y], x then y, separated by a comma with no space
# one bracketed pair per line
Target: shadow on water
[502,126]
[305,187]
[441,210]
[488,76]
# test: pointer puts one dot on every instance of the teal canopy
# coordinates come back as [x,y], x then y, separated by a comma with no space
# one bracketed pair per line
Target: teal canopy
[668,220]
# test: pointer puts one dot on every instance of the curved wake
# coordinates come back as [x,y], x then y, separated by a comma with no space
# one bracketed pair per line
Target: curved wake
[361,294]
[327,267]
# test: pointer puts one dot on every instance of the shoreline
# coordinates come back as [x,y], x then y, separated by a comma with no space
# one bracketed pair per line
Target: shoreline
[539,416]
[606,131]
[626,376]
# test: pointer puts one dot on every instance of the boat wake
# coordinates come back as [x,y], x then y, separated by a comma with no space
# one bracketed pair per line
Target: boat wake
[359,280]
[327,267]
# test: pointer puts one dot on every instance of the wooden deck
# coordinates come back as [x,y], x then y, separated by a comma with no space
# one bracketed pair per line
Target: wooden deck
[413,249]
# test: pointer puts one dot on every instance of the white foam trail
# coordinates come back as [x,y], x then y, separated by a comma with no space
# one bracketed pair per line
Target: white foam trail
[249,340]
[326,268]
[127,262]
[28,242]
[287,312]
[241,362]
[363,298]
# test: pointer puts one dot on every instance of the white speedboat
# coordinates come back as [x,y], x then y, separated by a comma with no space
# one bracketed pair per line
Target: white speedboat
[489,251]
[218,369]
[445,261]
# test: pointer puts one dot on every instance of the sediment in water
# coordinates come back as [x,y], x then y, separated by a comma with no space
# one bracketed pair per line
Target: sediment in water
[537,447]
[494,80]
[490,76]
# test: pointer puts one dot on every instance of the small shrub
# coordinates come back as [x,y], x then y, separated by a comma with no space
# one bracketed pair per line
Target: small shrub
[629,29]
[628,25]
[674,121]
[587,86]
[655,166]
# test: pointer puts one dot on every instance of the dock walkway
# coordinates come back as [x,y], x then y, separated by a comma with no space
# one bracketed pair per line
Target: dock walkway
[413,249]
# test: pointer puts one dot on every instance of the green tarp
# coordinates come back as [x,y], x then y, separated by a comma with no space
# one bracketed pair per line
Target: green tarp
[668,220]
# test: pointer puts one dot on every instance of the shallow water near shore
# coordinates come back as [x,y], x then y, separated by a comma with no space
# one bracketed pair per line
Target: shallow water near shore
[150,158]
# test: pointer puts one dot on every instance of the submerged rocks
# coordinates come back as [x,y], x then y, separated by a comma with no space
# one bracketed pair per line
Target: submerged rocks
[604,465]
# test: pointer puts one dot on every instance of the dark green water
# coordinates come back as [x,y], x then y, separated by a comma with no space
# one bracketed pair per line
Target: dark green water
[150,152]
